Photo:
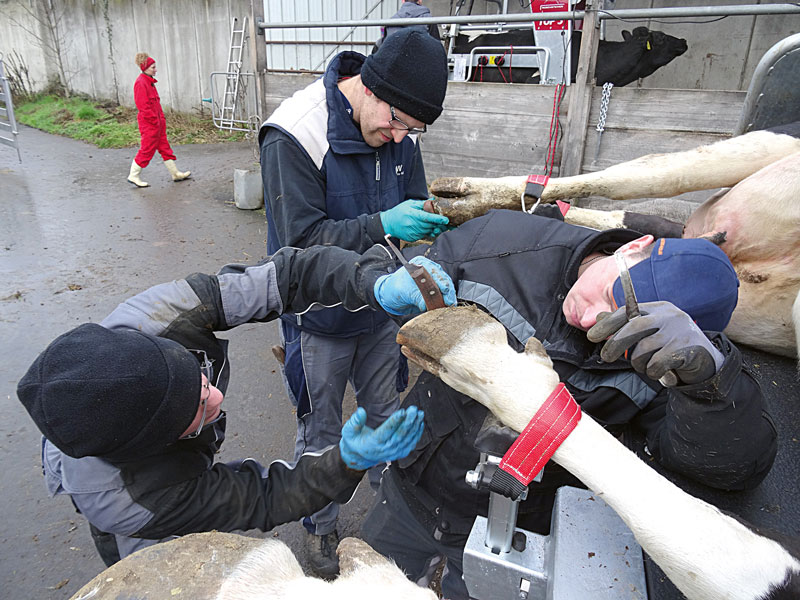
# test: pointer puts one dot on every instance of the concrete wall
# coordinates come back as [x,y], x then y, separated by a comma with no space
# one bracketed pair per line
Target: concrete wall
[188,38]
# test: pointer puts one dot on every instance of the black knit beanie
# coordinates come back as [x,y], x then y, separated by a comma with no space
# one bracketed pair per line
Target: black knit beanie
[120,395]
[409,71]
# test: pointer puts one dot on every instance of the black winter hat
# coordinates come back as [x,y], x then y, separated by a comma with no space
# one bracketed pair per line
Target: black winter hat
[409,71]
[120,395]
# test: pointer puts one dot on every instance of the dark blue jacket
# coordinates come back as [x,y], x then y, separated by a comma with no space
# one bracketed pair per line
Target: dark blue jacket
[409,10]
[519,268]
[323,184]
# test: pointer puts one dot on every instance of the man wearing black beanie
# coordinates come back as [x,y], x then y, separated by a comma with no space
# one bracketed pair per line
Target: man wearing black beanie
[341,165]
[131,408]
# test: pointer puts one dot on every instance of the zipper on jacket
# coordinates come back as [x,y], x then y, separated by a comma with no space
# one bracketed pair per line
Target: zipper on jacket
[377,167]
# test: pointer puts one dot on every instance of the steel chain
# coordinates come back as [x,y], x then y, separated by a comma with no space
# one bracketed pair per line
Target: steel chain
[601,122]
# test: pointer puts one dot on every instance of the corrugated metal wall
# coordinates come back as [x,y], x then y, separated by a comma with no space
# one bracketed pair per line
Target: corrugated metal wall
[314,57]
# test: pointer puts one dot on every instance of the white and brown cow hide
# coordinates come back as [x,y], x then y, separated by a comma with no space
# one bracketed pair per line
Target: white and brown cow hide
[755,217]
[227,566]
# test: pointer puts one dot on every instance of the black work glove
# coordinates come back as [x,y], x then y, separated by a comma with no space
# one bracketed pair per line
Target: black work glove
[663,338]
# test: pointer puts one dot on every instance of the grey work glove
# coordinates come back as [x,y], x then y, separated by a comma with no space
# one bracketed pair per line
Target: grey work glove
[663,338]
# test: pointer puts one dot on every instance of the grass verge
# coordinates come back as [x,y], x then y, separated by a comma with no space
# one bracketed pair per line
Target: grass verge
[108,125]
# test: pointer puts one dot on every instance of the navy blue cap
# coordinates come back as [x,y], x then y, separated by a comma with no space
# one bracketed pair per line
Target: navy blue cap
[693,274]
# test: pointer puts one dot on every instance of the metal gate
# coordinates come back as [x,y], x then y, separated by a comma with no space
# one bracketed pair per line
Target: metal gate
[8,125]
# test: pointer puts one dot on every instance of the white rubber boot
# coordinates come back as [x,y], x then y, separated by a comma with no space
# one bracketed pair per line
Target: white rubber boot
[173,170]
[134,176]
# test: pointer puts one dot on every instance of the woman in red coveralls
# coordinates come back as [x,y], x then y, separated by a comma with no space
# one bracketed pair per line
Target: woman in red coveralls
[152,125]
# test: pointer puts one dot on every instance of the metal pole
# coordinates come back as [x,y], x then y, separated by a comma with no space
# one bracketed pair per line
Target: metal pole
[580,94]
[258,57]
[630,13]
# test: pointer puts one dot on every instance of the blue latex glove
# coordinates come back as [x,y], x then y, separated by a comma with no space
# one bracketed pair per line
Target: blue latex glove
[399,295]
[408,221]
[663,338]
[362,447]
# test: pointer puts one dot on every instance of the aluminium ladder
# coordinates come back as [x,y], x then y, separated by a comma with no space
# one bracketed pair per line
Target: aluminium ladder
[233,77]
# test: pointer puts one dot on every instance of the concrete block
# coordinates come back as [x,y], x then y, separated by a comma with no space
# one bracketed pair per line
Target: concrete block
[248,190]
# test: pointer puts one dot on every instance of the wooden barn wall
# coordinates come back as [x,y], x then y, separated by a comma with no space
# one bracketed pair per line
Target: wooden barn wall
[492,130]
[644,121]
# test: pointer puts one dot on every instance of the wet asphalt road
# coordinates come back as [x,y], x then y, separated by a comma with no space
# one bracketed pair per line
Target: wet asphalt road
[76,239]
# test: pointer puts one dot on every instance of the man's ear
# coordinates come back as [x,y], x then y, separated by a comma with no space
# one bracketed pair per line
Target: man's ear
[638,244]
[368,91]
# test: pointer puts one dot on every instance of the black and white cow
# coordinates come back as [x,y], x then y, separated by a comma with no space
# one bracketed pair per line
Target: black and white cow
[640,54]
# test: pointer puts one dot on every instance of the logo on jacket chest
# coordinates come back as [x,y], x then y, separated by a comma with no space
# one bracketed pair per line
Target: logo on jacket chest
[398,170]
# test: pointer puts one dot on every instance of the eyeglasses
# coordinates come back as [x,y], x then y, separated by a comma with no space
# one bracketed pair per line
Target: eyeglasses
[396,123]
[206,369]
[206,386]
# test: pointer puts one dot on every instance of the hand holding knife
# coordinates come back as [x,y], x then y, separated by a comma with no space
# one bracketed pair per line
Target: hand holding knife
[422,279]
[669,379]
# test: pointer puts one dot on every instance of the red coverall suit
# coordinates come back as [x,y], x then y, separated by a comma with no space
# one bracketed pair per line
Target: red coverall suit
[152,124]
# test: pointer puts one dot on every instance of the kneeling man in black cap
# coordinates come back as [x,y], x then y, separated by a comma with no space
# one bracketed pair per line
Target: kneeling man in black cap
[131,411]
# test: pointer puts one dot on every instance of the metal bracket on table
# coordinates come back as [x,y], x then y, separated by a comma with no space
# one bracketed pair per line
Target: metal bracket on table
[589,553]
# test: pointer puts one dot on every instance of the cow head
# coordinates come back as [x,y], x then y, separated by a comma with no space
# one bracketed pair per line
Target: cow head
[660,47]
[642,52]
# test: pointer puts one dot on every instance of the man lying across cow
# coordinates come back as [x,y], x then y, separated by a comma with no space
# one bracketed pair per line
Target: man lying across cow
[541,277]
[131,410]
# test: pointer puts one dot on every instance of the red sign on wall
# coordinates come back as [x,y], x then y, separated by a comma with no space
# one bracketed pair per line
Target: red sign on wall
[545,6]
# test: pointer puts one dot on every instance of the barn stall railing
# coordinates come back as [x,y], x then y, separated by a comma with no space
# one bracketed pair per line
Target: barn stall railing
[525,112]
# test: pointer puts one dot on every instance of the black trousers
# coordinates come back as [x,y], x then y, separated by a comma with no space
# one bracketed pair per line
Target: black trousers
[392,529]
[106,544]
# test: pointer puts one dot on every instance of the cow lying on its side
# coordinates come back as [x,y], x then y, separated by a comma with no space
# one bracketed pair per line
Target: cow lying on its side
[640,54]
[227,566]
[756,222]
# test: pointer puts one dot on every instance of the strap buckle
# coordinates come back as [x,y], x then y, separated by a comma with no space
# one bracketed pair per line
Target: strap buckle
[534,187]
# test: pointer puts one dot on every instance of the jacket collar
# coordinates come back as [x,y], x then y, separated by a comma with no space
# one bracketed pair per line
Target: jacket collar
[344,136]
[604,241]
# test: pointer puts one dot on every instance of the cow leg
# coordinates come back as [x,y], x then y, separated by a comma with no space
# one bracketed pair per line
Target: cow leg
[658,227]
[796,321]
[722,164]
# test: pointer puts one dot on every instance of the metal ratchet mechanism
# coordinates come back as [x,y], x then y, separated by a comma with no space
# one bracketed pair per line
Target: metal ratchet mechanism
[423,280]
[668,379]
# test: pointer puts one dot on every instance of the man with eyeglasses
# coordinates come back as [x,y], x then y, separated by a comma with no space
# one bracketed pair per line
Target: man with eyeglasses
[130,408]
[669,374]
[341,165]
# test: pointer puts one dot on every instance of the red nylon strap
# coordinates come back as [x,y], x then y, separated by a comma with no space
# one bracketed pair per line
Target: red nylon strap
[539,179]
[548,428]
[563,207]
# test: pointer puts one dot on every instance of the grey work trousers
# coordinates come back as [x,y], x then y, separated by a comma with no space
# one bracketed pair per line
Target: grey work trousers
[370,362]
